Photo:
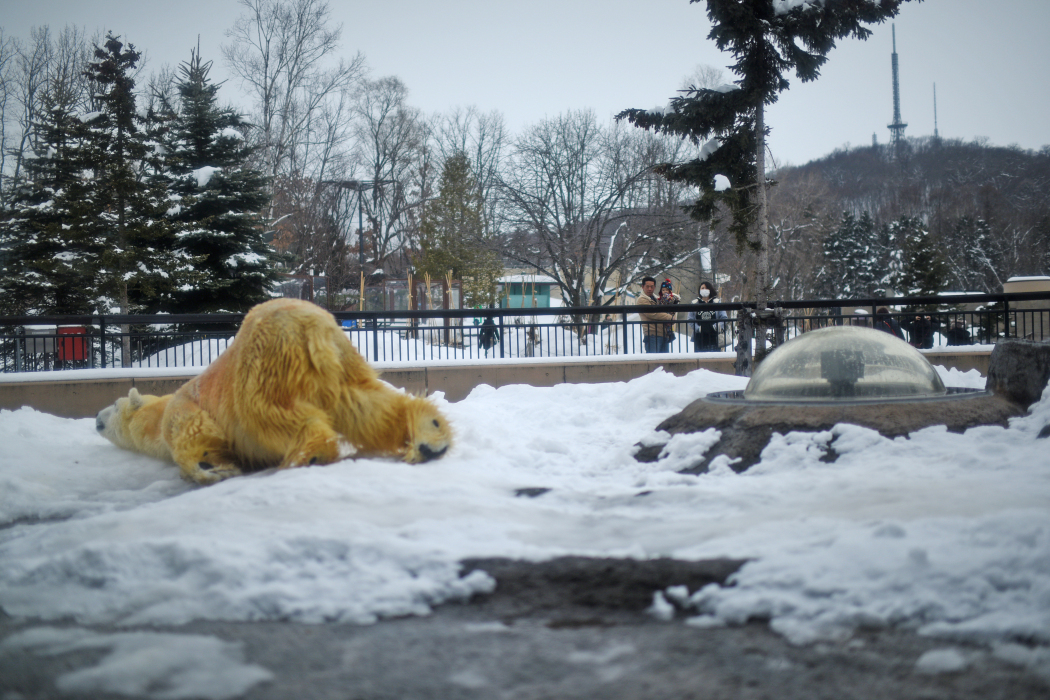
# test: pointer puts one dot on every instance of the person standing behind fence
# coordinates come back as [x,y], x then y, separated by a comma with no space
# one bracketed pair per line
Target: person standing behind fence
[667,297]
[654,336]
[706,325]
[885,322]
[958,335]
[488,336]
[921,328]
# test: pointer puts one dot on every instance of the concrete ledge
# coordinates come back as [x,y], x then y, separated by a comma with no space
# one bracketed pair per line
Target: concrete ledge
[83,393]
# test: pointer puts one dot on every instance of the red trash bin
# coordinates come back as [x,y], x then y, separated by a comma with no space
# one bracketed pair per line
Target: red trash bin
[72,343]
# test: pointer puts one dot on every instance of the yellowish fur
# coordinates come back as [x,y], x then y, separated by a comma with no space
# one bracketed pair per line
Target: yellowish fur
[290,390]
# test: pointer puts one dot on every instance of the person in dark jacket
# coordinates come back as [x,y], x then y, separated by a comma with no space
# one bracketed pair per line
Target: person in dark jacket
[667,296]
[488,336]
[884,322]
[706,324]
[921,329]
[958,335]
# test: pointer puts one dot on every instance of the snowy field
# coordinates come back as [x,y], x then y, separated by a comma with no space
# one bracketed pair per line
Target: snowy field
[945,534]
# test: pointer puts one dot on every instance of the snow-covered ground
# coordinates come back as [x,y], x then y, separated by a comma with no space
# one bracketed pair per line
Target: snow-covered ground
[942,533]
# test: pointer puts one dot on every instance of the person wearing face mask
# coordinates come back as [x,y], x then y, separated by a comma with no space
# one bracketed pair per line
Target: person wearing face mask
[706,325]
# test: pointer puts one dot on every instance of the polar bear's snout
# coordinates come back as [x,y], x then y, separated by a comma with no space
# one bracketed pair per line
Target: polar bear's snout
[103,418]
[428,453]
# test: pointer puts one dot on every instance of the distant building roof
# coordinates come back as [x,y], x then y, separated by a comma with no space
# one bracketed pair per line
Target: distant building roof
[527,279]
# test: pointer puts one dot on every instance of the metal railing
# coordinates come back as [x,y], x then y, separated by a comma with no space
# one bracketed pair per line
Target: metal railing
[37,343]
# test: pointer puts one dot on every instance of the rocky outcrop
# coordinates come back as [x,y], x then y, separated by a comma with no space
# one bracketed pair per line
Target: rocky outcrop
[1018,370]
[747,428]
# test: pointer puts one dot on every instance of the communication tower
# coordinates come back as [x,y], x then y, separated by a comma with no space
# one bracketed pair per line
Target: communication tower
[897,127]
[935,134]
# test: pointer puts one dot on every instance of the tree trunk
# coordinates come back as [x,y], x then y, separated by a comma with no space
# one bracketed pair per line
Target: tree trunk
[762,258]
[125,329]
[744,333]
[767,322]
[753,324]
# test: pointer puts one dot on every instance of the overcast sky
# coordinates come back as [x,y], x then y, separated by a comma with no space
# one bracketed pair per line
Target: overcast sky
[531,60]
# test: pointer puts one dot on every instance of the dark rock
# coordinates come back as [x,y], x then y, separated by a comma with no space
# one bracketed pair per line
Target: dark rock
[594,583]
[531,491]
[1018,370]
[747,428]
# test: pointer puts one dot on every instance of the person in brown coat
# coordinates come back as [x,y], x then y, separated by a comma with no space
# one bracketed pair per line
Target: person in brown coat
[656,323]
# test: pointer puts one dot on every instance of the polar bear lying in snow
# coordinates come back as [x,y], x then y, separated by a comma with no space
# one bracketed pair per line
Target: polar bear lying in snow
[290,390]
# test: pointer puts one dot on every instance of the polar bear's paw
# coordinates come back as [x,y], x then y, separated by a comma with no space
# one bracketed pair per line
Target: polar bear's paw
[320,445]
[205,472]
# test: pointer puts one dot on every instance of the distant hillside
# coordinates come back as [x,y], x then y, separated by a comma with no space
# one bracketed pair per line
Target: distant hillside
[986,208]
[939,178]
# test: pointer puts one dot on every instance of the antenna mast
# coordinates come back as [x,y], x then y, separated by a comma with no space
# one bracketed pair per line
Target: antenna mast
[935,134]
[897,127]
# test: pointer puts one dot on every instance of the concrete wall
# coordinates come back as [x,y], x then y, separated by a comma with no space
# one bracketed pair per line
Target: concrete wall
[71,397]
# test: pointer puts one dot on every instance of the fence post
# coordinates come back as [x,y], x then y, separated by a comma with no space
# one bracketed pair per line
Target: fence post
[375,339]
[102,339]
[624,332]
[501,332]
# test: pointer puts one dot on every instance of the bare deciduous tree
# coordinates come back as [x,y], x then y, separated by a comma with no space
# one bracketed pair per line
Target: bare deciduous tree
[46,70]
[31,66]
[587,208]
[798,222]
[282,50]
[390,139]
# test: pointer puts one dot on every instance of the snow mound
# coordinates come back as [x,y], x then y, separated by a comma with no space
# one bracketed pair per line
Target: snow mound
[947,534]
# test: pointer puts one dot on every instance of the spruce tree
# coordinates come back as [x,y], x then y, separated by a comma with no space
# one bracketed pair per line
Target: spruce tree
[215,200]
[972,265]
[453,238]
[50,258]
[925,272]
[768,39]
[850,258]
[141,262]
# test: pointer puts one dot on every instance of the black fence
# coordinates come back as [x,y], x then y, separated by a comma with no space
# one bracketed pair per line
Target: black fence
[38,343]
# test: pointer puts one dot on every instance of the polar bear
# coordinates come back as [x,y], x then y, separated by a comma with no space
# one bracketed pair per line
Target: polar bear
[291,390]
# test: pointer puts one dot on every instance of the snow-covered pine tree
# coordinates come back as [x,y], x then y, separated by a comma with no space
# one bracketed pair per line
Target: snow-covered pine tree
[925,272]
[851,258]
[49,257]
[970,256]
[890,268]
[215,200]
[141,263]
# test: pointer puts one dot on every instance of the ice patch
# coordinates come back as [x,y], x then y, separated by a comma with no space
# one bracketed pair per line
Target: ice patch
[146,664]
[942,661]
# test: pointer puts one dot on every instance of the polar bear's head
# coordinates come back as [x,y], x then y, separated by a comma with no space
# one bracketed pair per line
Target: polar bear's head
[114,421]
[429,434]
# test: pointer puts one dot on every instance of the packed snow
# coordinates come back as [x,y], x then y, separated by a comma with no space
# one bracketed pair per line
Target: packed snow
[203,175]
[708,148]
[941,533]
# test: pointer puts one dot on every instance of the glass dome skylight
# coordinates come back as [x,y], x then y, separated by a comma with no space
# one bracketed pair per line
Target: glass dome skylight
[844,363]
